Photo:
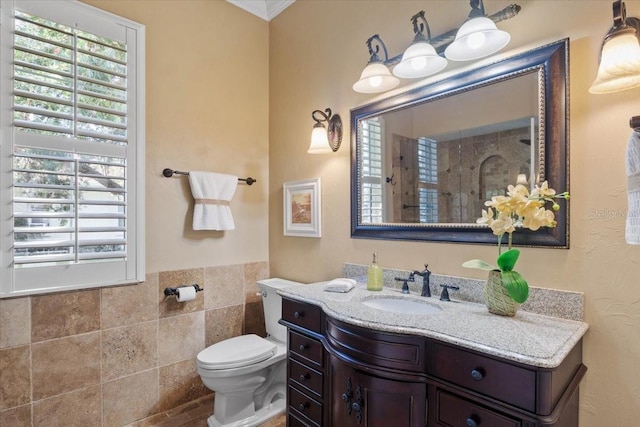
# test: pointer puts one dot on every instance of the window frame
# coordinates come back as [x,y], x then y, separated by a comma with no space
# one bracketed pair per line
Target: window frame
[44,279]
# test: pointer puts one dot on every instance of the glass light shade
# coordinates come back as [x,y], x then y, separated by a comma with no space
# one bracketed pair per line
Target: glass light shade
[619,65]
[319,141]
[522,179]
[376,77]
[419,60]
[477,38]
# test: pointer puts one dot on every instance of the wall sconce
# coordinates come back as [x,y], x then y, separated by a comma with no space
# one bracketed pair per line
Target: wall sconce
[325,139]
[420,59]
[376,76]
[477,38]
[619,67]
[522,179]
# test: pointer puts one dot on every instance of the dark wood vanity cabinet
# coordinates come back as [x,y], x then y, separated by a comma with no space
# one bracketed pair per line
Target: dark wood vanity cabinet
[360,398]
[342,375]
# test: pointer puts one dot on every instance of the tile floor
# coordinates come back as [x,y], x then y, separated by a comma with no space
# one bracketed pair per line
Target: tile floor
[194,414]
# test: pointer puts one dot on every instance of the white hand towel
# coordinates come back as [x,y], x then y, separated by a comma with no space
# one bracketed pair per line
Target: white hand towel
[340,285]
[212,192]
[632,233]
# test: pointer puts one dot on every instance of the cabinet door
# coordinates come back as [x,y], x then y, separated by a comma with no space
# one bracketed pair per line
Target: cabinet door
[360,399]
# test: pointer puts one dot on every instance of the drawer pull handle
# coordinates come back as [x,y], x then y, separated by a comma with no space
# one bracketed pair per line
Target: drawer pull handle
[298,314]
[472,421]
[303,406]
[304,377]
[477,374]
[303,347]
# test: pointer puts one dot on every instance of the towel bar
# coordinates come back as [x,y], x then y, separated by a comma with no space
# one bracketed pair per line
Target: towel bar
[634,122]
[169,173]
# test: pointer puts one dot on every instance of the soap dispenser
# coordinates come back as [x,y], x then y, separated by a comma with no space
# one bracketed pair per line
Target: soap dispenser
[374,275]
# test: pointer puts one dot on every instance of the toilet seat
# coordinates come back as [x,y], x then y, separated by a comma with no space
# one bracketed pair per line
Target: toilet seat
[236,352]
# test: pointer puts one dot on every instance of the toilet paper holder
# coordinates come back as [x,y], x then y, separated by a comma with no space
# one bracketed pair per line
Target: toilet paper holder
[173,292]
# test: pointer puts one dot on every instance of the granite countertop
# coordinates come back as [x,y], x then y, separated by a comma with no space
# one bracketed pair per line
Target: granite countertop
[528,338]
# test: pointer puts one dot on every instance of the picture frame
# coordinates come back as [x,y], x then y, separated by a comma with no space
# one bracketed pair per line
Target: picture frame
[301,208]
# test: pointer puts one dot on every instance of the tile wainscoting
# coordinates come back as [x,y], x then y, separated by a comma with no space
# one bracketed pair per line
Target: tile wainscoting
[112,356]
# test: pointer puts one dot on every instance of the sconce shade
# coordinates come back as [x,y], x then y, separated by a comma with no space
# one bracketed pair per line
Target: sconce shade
[522,179]
[375,78]
[619,65]
[319,140]
[325,140]
[419,60]
[477,38]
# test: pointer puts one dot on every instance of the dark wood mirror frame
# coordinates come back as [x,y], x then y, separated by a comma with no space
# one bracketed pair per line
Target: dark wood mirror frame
[552,61]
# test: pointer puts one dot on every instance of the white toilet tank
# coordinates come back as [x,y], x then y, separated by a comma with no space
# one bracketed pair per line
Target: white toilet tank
[272,303]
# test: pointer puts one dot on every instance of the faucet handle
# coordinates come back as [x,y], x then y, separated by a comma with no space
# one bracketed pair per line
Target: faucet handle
[405,286]
[444,296]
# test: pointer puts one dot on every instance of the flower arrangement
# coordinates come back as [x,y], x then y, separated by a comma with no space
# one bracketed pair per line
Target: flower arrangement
[505,214]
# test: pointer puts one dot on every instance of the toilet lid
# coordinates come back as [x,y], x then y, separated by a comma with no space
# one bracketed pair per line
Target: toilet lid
[236,352]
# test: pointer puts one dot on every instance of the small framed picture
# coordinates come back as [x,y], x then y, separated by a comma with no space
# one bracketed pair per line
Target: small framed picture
[302,208]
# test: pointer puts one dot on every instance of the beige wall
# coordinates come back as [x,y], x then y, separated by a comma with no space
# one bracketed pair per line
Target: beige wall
[207,109]
[317,51]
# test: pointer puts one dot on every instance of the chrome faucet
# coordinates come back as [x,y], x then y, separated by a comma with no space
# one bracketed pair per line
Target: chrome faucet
[426,290]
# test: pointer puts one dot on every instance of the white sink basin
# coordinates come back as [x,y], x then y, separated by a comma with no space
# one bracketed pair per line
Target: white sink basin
[401,305]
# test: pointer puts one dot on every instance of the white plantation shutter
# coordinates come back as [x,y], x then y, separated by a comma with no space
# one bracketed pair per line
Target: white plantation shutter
[77,148]
[371,167]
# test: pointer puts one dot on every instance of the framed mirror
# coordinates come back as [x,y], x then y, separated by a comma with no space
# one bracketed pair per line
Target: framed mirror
[423,162]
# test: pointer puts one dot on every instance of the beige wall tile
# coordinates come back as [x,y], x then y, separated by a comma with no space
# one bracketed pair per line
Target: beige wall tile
[223,323]
[129,349]
[15,377]
[16,417]
[129,399]
[65,364]
[170,279]
[180,383]
[254,319]
[126,305]
[252,273]
[80,408]
[180,337]
[63,314]
[15,322]
[223,286]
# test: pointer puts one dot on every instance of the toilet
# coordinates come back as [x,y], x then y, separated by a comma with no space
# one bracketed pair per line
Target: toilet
[248,372]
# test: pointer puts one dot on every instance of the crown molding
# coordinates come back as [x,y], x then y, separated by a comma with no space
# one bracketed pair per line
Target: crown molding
[265,9]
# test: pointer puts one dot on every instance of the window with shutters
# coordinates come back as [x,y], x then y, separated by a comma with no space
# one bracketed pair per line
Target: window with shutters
[428,180]
[72,148]
[371,167]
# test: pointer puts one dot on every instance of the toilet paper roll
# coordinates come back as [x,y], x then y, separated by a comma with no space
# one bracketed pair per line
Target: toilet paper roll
[186,293]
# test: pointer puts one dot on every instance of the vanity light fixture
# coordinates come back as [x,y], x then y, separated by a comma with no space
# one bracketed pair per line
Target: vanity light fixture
[376,76]
[325,139]
[426,55]
[619,67]
[478,37]
[420,59]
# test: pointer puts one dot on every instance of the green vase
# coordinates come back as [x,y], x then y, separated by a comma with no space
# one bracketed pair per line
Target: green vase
[496,297]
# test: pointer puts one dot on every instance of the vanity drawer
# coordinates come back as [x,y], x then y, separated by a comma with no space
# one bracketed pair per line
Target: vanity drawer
[454,412]
[301,404]
[309,349]
[305,315]
[293,421]
[303,376]
[512,384]
[405,352]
